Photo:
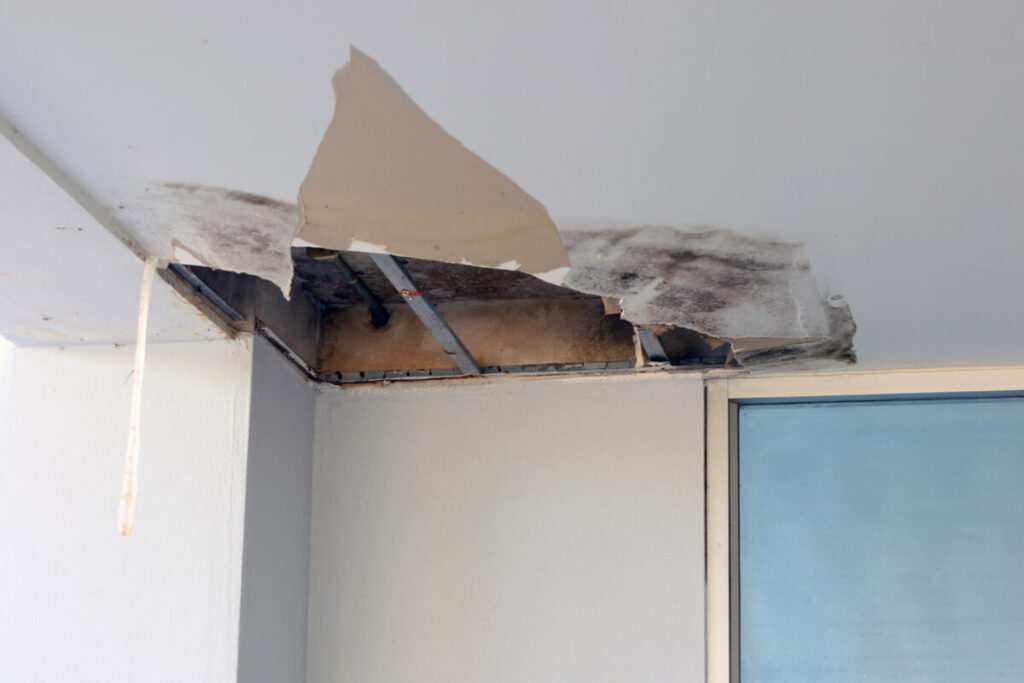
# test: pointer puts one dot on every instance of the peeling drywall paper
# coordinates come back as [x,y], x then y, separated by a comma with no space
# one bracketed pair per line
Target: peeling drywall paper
[130,483]
[388,178]
[714,281]
[221,228]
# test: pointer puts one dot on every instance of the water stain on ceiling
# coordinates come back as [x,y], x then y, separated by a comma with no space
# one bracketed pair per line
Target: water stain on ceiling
[221,228]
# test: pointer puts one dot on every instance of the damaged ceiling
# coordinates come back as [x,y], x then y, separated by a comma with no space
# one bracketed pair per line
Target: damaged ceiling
[483,287]
[732,173]
[347,321]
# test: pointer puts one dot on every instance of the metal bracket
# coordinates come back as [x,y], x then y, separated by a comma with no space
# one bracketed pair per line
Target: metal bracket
[653,349]
[426,312]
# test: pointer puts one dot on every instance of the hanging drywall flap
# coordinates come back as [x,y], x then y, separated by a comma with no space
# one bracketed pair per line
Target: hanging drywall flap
[216,227]
[387,178]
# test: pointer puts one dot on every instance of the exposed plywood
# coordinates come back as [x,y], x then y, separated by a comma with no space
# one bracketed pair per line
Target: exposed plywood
[387,178]
[444,281]
[496,333]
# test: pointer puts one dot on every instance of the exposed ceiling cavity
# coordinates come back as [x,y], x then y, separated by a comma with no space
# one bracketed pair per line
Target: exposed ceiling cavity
[510,322]
[443,281]
[388,179]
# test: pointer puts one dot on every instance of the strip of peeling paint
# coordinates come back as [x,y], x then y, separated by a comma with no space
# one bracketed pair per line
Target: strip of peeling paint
[130,484]
[388,176]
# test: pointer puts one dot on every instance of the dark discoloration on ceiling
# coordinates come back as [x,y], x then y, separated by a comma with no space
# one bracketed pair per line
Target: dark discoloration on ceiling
[222,228]
[443,281]
[716,281]
[710,281]
[257,200]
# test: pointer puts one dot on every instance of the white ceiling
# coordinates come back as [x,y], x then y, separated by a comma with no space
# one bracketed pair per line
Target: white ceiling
[885,135]
[65,280]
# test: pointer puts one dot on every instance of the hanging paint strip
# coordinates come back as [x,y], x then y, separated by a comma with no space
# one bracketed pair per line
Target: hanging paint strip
[130,485]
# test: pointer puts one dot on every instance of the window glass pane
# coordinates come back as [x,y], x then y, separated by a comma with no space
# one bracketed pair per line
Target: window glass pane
[882,541]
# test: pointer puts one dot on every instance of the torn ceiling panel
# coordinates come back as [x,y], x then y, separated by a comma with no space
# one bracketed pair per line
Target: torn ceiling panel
[715,281]
[388,178]
[220,228]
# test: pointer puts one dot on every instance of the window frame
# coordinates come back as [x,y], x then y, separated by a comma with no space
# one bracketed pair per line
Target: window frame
[724,395]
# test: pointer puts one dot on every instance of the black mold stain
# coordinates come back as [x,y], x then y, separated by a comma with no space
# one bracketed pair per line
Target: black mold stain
[714,280]
[711,280]
[258,200]
[701,273]
[233,195]
[231,229]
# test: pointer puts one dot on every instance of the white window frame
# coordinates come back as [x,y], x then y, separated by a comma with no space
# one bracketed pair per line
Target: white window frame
[722,397]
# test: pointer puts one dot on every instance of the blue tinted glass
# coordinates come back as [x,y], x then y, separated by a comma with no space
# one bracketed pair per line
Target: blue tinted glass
[882,541]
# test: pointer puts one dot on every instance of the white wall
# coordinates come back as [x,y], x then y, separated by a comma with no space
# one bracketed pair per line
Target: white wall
[79,602]
[275,570]
[543,530]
